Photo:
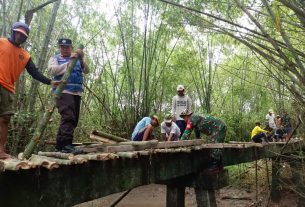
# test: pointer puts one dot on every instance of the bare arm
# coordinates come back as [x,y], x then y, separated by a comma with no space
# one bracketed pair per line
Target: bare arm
[147,132]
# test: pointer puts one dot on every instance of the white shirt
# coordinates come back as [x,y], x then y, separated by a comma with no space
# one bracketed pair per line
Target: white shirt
[271,121]
[179,104]
[173,129]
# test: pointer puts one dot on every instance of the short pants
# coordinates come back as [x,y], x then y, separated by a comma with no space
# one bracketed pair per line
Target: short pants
[6,102]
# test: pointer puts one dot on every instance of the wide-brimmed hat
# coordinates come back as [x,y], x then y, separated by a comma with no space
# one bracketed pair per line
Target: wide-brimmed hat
[186,113]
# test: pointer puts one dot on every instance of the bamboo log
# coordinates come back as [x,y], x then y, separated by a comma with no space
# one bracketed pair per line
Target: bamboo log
[52,142]
[128,154]
[169,150]
[43,122]
[56,160]
[59,155]
[15,164]
[98,156]
[144,152]
[109,136]
[101,139]
[38,161]
[150,143]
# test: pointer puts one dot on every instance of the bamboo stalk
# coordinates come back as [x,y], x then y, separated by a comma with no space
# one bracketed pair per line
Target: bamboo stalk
[38,161]
[128,154]
[142,143]
[109,136]
[59,155]
[49,111]
[15,164]
[101,139]
[98,156]
[56,160]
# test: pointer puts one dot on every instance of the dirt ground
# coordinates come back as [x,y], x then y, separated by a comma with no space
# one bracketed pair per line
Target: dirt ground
[155,196]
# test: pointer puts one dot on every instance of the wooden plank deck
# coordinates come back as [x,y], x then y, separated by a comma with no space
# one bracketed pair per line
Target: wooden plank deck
[105,173]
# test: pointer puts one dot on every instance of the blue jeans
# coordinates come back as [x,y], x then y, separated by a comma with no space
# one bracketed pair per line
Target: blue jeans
[182,125]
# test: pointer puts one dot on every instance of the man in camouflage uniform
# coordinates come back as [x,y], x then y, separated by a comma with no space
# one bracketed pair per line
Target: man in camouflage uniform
[213,127]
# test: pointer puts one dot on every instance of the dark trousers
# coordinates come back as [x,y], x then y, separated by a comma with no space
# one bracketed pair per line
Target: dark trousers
[68,106]
[258,138]
[182,125]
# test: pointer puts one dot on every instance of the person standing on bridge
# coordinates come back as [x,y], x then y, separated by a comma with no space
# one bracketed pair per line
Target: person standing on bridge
[13,60]
[271,120]
[69,101]
[209,125]
[169,129]
[181,102]
[144,129]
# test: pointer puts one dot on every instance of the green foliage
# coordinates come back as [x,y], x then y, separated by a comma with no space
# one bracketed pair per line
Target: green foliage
[139,51]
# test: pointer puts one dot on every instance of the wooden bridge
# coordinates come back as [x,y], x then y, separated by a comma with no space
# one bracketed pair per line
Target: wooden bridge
[65,180]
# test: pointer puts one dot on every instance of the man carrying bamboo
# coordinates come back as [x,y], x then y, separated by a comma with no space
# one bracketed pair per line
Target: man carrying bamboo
[13,60]
[69,101]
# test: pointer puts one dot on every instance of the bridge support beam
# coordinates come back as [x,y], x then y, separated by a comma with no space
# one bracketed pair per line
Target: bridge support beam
[297,171]
[275,183]
[205,198]
[175,196]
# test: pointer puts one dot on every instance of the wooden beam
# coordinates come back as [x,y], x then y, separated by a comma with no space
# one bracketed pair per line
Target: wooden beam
[175,196]
[101,139]
[109,136]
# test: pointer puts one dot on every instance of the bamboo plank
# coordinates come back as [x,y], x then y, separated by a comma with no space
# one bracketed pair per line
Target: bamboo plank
[15,164]
[101,139]
[128,154]
[56,160]
[109,136]
[38,161]
[59,155]
[98,156]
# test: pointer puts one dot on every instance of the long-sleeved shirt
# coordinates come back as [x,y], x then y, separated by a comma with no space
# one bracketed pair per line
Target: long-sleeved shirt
[13,60]
[179,104]
[256,130]
[56,69]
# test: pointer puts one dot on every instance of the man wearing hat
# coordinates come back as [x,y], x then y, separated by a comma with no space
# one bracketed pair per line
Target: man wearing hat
[211,126]
[169,129]
[271,120]
[144,129]
[181,102]
[13,60]
[69,102]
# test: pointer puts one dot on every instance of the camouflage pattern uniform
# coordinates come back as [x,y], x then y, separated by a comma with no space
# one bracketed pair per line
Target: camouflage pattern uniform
[213,127]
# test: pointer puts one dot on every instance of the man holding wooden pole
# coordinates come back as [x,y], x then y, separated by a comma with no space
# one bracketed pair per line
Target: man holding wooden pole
[68,103]
[13,60]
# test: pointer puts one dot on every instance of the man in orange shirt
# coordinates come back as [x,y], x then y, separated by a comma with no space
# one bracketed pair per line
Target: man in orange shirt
[13,60]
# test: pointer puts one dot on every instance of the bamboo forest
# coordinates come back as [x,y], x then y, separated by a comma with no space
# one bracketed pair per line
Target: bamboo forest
[239,62]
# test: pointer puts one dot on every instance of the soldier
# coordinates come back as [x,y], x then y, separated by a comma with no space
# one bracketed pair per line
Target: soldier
[213,127]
